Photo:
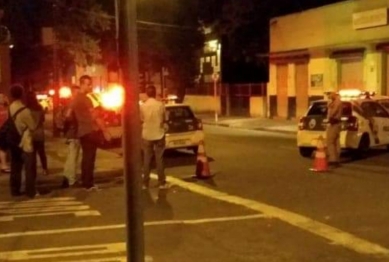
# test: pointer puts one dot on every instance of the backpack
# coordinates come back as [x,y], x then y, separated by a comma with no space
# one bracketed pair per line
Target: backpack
[9,135]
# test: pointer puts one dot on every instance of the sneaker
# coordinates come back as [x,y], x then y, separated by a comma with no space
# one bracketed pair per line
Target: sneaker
[164,186]
[92,188]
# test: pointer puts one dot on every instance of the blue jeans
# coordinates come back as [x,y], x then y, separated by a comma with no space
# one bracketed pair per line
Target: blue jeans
[150,149]
[71,164]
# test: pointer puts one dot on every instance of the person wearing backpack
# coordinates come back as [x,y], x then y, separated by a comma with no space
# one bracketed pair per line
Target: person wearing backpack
[20,122]
[38,136]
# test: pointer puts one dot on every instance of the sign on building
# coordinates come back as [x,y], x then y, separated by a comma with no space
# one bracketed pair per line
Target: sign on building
[372,18]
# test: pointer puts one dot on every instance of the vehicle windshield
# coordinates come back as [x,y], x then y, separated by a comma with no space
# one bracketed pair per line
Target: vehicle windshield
[320,109]
[179,113]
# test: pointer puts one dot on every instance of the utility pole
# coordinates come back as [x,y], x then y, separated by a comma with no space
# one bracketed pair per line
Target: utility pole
[56,106]
[128,47]
[215,78]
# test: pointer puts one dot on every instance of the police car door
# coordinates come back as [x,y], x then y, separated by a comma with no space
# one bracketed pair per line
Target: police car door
[378,119]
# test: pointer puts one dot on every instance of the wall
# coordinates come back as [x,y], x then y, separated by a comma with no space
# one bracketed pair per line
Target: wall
[329,26]
[258,106]
[203,104]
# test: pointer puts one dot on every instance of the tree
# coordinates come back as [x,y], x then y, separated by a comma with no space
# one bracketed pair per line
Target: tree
[80,29]
[79,26]
[169,36]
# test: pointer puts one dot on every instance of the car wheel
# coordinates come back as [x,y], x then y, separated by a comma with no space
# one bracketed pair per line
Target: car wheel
[306,151]
[363,147]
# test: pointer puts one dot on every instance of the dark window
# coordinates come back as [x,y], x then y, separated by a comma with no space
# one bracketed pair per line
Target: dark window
[373,109]
[179,113]
[321,109]
[385,103]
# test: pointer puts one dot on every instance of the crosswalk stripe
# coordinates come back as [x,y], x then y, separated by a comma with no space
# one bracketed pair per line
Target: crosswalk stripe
[111,259]
[75,213]
[38,200]
[38,204]
[44,207]
[71,251]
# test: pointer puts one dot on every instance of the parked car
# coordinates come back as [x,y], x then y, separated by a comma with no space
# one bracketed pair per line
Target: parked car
[365,124]
[383,100]
[183,129]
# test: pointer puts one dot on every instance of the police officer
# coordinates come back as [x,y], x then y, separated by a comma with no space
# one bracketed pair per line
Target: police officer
[334,128]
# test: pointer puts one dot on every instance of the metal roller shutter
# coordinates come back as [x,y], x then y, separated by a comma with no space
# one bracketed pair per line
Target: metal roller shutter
[351,74]
[301,89]
[282,90]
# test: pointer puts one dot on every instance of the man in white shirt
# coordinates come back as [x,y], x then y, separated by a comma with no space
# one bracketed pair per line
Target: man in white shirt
[153,135]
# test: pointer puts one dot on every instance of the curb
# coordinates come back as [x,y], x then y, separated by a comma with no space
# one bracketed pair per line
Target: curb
[253,129]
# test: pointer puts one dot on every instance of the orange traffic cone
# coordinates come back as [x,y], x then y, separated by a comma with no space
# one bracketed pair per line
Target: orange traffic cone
[202,166]
[320,163]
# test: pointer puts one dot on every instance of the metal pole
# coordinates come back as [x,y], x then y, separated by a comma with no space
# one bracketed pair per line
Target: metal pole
[128,48]
[56,106]
[215,78]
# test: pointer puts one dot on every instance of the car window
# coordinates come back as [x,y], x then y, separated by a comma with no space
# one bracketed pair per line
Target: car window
[179,113]
[320,109]
[372,109]
[384,103]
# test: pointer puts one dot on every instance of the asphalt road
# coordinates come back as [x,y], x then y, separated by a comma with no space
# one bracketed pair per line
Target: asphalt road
[263,204]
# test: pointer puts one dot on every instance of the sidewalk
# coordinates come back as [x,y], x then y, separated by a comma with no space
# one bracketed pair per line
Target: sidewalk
[252,123]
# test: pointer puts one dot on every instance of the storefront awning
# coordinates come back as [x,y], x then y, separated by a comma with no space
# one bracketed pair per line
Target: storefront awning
[290,56]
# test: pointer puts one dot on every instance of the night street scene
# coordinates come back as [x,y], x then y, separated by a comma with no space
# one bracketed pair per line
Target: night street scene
[194,130]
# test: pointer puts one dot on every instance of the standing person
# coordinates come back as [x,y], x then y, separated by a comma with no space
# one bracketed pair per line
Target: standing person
[153,135]
[90,129]
[38,136]
[24,122]
[333,129]
[3,150]
[74,147]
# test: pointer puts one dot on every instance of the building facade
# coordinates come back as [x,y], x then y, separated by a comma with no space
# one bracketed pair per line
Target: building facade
[338,46]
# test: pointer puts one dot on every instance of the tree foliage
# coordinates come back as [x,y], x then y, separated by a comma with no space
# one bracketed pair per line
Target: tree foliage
[79,26]
[169,36]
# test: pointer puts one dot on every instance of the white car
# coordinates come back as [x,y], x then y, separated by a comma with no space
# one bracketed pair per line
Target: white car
[383,100]
[365,124]
[183,129]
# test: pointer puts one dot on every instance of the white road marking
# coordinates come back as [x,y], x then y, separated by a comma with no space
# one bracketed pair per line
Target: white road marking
[44,207]
[40,200]
[43,210]
[330,233]
[69,252]
[75,213]
[120,226]
[37,204]
[111,259]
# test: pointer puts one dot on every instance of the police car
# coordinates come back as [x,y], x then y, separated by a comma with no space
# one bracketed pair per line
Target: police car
[183,129]
[382,100]
[365,123]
